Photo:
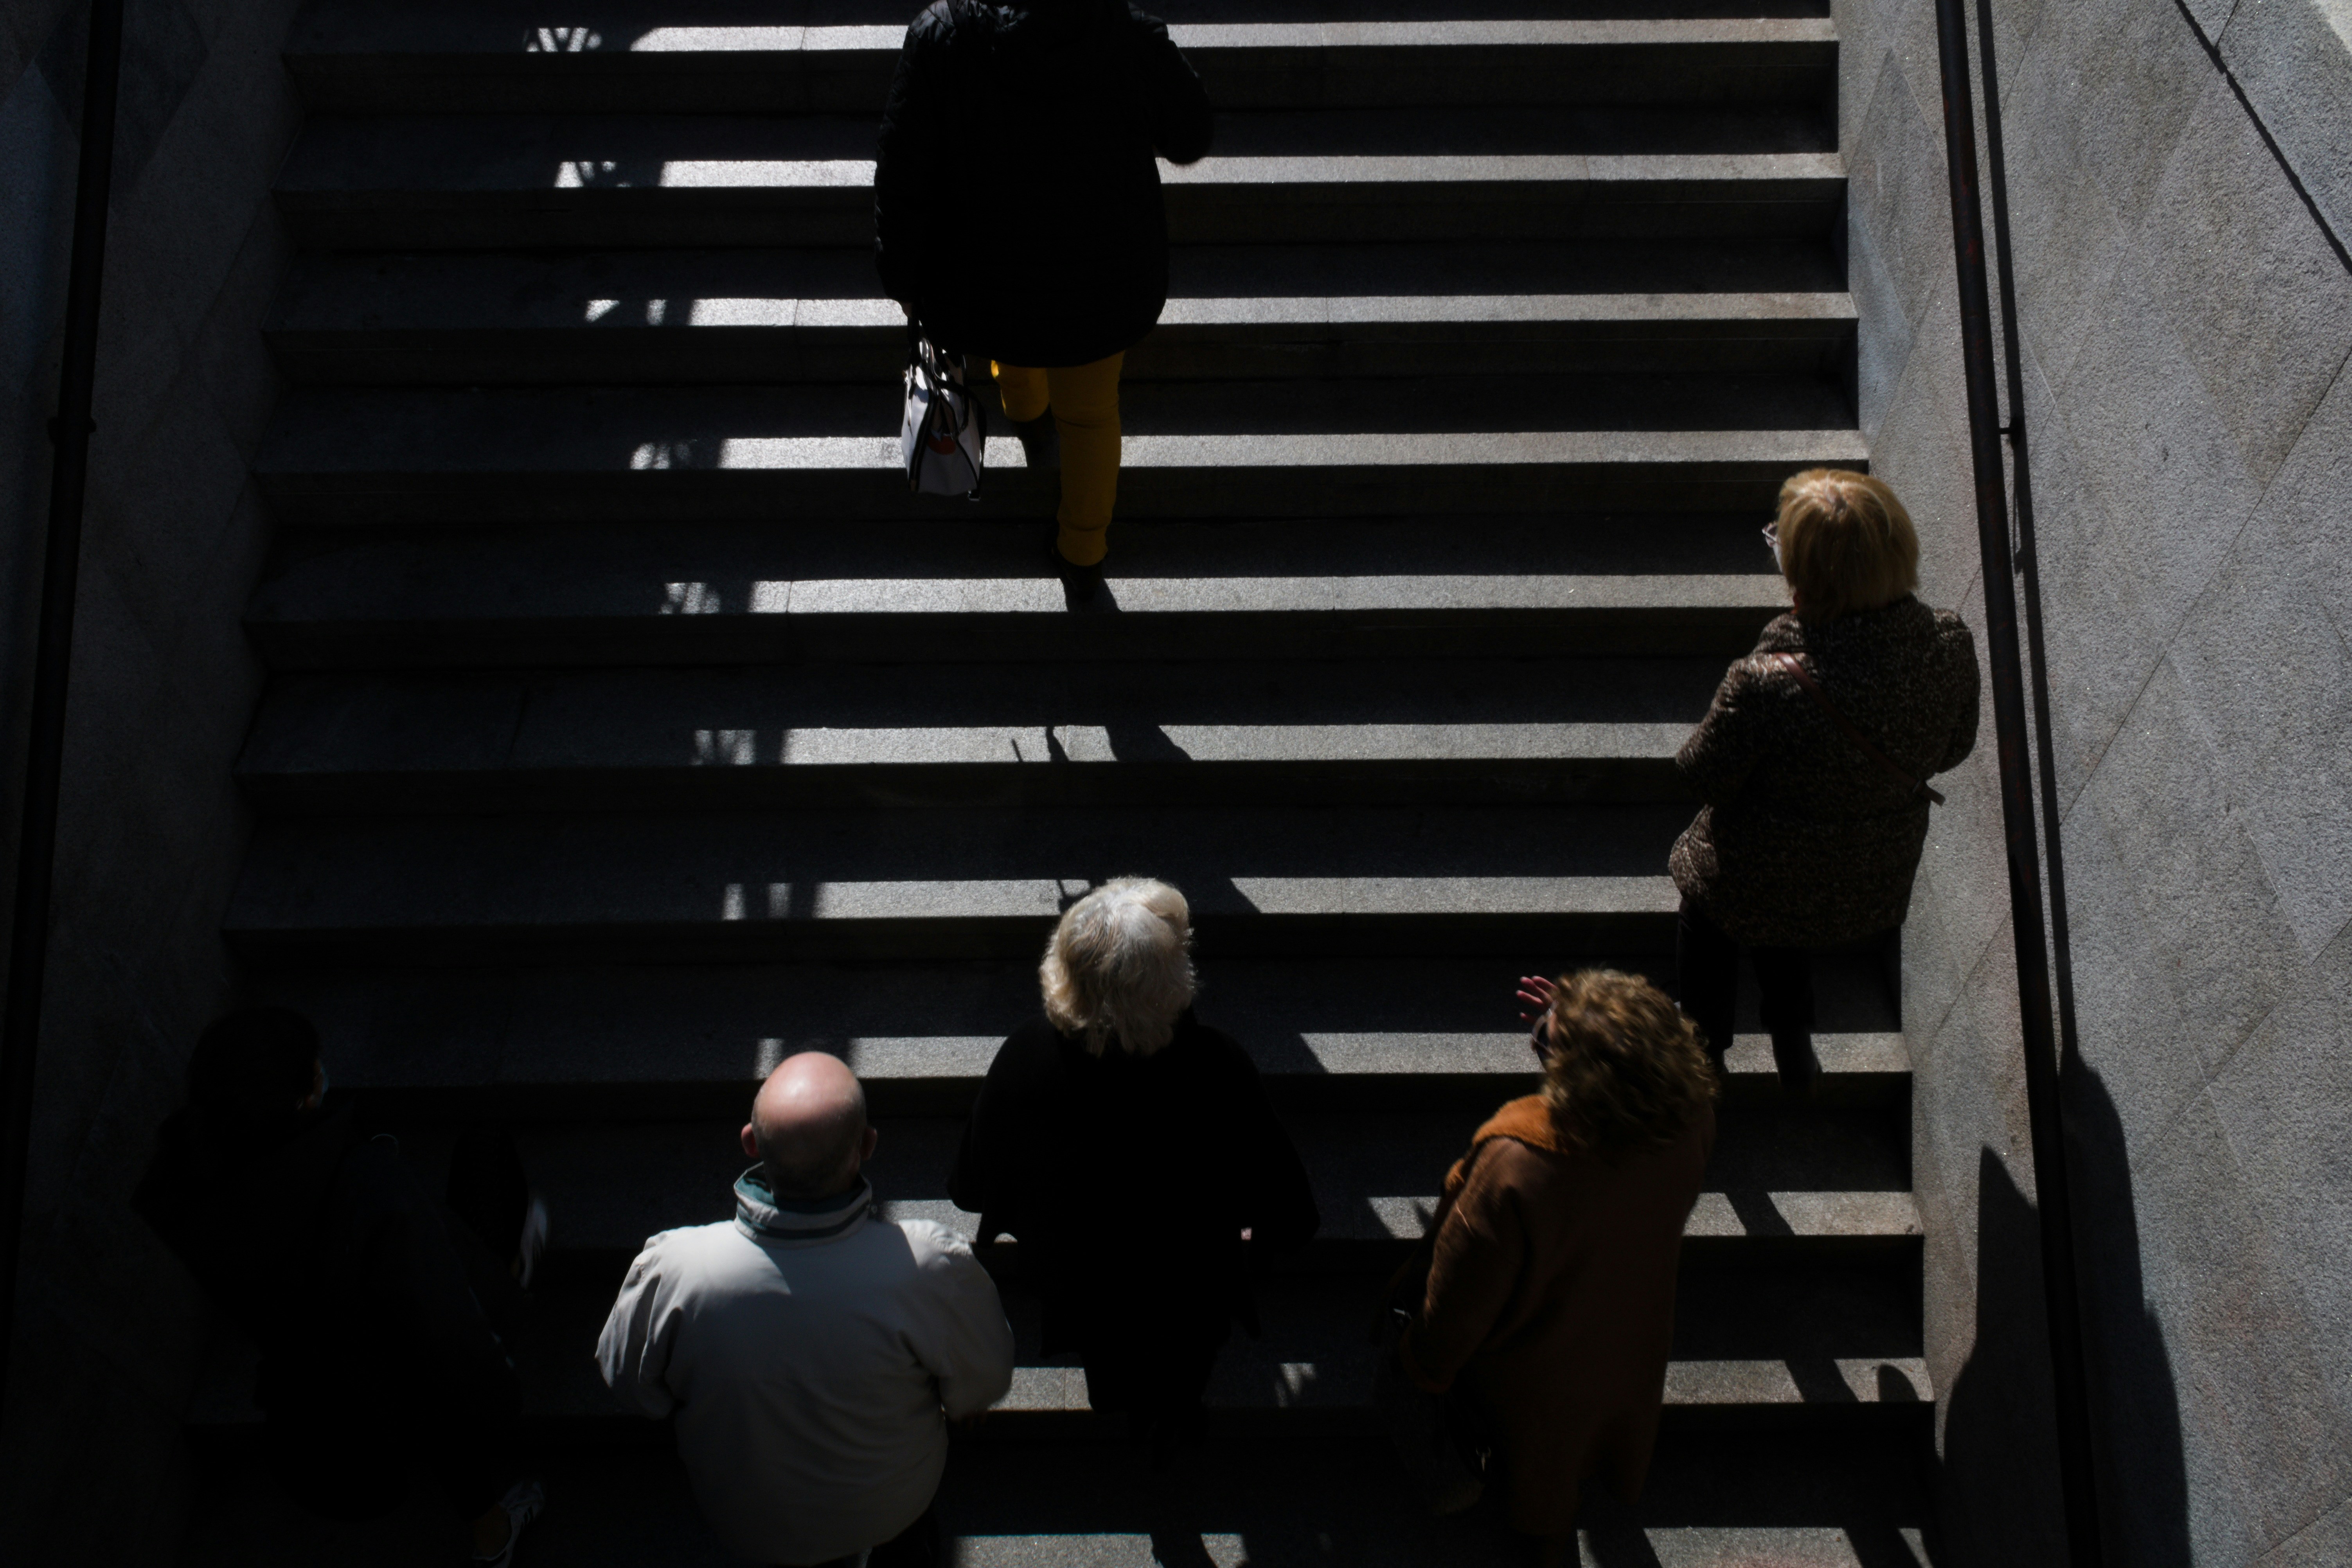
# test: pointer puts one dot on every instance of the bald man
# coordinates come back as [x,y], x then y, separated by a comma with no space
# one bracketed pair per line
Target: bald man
[813,1351]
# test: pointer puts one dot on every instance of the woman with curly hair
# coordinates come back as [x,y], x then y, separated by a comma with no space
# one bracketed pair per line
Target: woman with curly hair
[1550,1300]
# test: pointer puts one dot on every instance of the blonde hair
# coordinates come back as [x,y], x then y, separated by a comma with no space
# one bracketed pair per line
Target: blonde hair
[1846,543]
[1627,1070]
[1120,967]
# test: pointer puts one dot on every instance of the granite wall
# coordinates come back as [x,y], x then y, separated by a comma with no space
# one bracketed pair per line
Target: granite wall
[2181,180]
[93,1466]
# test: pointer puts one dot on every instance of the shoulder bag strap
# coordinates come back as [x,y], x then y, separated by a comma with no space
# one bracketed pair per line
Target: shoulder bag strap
[1791,664]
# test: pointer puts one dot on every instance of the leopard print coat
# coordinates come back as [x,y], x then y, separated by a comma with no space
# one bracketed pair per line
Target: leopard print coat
[1804,841]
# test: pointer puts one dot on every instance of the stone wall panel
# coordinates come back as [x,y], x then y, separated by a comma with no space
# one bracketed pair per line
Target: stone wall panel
[2185,338]
[2206,908]
[2264,1438]
[2293,59]
[1894,185]
[152,830]
[2108,87]
[2271,679]
[2254,291]
[2158,455]
[2281,1100]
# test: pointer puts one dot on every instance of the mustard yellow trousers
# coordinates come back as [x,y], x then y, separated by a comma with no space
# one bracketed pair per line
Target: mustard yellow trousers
[1085,401]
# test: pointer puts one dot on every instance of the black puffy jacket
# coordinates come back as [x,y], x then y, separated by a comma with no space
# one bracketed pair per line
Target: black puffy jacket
[321,1246]
[1016,204]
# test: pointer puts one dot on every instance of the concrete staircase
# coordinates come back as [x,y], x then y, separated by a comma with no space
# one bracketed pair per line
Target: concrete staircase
[631,725]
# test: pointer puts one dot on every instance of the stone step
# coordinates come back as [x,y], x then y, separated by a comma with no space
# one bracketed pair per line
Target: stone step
[716,886]
[635,1041]
[1791,1296]
[1794,1339]
[1286,1498]
[407,183]
[562,593]
[485,316]
[457,57]
[1466,731]
[1190,449]
[755,316]
[1806,1181]
[1714,1498]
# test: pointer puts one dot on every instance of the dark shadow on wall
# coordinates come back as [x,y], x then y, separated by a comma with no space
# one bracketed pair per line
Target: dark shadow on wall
[1997,1482]
[2143,1471]
[1998,1477]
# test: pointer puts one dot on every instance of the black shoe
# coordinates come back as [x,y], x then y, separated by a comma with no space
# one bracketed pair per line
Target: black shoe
[1041,441]
[1800,1069]
[1081,585]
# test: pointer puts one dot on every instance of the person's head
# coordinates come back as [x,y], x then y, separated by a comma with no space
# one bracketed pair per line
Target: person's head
[257,1070]
[808,1127]
[1845,544]
[1120,967]
[1624,1068]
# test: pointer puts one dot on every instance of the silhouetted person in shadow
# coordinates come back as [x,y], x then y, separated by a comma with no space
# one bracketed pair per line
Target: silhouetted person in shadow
[2144,1488]
[382,1316]
[1550,1292]
[1018,217]
[1999,1431]
[813,1351]
[1813,763]
[1131,1150]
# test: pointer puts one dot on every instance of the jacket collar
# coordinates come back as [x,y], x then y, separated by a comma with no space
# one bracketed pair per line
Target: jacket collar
[763,1216]
[1525,1120]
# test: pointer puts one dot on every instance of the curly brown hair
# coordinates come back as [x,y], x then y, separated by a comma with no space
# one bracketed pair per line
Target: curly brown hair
[1627,1070]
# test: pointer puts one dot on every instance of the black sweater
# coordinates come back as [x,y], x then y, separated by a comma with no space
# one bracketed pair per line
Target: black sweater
[1130,1177]
[1016,202]
[320,1244]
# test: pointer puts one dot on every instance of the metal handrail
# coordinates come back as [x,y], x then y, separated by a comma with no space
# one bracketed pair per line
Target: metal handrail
[2061,1295]
[36,842]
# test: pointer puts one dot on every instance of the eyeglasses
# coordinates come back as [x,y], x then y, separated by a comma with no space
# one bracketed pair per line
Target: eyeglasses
[1772,538]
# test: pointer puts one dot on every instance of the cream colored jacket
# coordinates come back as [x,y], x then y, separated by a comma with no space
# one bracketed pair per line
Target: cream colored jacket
[812,1357]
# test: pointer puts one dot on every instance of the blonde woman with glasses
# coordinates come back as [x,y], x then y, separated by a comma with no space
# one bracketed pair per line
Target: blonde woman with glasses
[1813,763]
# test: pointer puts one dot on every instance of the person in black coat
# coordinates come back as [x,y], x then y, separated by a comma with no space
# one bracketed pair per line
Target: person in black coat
[372,1305]
[1131,1150]
[1018,214]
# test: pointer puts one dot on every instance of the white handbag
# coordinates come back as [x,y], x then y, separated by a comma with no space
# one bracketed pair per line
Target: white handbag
[945,430]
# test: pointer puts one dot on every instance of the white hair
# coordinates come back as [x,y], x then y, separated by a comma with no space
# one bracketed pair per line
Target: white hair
[1120,967]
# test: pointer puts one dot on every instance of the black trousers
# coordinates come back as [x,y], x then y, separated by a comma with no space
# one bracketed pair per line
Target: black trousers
[1708,963]
[919,1545]
[347,1449]
[356,1465]
[488,1189]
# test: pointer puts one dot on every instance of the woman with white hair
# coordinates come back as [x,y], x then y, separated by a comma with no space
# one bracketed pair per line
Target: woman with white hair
[1131,1151]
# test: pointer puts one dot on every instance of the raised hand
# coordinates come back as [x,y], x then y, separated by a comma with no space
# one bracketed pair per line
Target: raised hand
[1537,991]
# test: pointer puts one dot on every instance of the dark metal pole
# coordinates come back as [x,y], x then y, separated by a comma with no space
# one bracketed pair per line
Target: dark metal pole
[2060,1298]
[2029,554]
[70,432]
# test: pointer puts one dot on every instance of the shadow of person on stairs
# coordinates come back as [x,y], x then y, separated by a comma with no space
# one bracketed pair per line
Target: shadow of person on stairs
[1180,1549]
[1609,1534]
[2000,1435]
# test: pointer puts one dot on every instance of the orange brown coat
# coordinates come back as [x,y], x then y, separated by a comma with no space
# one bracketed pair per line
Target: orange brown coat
[1551,1295]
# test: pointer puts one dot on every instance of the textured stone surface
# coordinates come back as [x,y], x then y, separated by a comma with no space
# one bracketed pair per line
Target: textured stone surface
[1238,1499]
[2184,346]
[2268,335]
[163,686]
[2294,57]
